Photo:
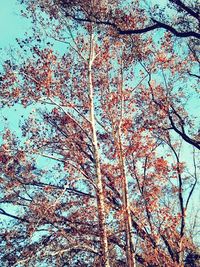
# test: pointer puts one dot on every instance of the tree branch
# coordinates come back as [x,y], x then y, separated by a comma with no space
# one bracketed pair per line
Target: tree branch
[186,8]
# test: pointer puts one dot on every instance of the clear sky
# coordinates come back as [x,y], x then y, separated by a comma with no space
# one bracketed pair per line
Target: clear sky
[12,25]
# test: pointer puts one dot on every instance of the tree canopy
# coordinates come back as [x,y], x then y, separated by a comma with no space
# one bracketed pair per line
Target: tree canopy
[103,171]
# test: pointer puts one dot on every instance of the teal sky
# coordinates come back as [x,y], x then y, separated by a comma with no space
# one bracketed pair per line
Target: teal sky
[12,25]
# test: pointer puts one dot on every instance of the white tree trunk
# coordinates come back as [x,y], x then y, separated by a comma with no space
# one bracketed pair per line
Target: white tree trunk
[99,183]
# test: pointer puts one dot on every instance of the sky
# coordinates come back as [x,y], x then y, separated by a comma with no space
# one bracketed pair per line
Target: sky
[12,25]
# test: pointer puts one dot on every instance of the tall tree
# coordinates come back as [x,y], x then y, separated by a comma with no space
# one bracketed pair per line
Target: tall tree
[115,190]
[179,19]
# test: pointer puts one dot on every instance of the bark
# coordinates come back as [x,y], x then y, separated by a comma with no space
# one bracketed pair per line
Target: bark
[182,133]
[100,194]
[155,25]
[130,254]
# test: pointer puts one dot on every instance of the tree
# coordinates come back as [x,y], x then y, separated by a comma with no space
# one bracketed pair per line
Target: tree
[116,191]
[135,19]
[127,20]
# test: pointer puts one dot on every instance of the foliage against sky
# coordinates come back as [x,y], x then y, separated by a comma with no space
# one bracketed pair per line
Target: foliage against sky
[102,169]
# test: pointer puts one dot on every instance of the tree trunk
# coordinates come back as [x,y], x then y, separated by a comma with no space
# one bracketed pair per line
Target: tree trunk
[100,194]
[130,254]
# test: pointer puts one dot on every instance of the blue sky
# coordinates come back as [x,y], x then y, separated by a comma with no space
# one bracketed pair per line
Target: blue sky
[12,25]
